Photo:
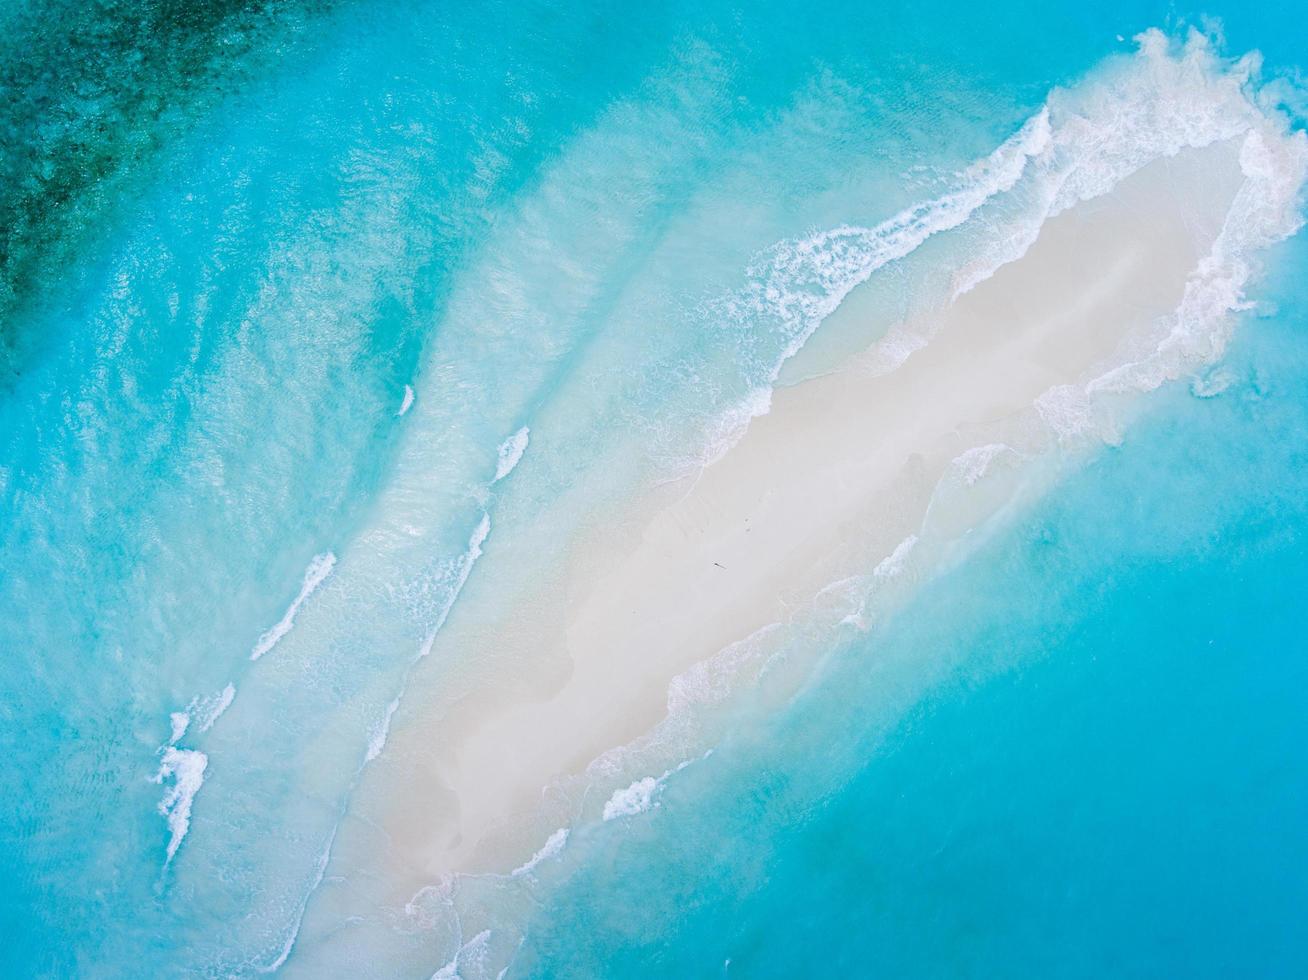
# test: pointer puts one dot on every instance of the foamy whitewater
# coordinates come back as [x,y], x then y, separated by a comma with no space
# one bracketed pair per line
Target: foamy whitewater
[686,492]
[318,570]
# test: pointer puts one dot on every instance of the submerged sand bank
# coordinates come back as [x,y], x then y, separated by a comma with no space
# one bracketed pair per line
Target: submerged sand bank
[826,485]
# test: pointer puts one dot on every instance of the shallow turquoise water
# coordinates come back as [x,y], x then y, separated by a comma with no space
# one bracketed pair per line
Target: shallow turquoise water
[521,211]
[1104,776]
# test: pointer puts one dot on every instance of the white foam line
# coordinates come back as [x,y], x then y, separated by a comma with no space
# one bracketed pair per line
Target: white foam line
[186,767]
[314,575]
[801,282]
[276,964]
[642,795]
[378,741]
[551,847]
[209,710]
[710,680]
[381,732]
[407,403]
[180,722]
[798,283]
[1086,139]
[203,711]
[1143,107]
[510,453]
[636,798]
[893,564]
[469,559]
[1266,210]
[975,463]
[477,944]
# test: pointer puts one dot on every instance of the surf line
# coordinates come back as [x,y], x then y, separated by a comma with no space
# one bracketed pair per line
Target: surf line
[319,568]
[510,453]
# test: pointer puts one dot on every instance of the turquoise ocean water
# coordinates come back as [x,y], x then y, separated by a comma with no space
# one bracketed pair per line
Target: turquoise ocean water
[323,323]
[1096,772]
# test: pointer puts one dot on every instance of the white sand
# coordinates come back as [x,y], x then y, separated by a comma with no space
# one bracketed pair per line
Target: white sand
[824,486]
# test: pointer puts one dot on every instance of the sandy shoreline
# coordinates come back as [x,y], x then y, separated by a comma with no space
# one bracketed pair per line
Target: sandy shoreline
[824,486]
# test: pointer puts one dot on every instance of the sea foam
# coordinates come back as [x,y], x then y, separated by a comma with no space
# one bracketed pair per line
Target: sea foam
[380,733]
[186,768]
[636,798]
[1166,97]
[293,933]
[510,453]
[204,712]
[470,953]
[796,284]
[552,846]
[452,579]
[319,568]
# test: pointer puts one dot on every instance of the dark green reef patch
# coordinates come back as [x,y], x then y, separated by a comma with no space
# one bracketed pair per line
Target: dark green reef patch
[91,92]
